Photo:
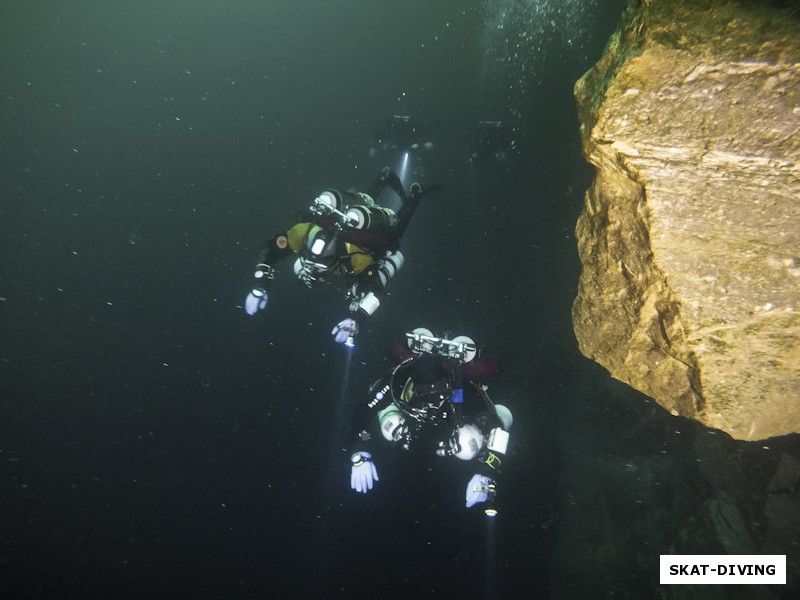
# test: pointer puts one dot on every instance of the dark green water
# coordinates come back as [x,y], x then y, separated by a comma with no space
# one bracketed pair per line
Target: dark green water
[155,442]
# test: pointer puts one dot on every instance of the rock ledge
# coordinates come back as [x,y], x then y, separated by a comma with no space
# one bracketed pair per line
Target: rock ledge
[690,235]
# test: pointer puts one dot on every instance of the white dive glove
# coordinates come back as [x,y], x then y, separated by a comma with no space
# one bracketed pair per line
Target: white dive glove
[478,489]
[344,331]
[256,300]
[363,474]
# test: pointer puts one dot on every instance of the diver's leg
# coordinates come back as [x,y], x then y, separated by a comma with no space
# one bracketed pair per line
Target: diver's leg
[410,203]
[405,213]
[390,178]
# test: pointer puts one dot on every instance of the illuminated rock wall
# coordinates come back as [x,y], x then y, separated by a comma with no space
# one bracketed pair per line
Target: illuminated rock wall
[690,235]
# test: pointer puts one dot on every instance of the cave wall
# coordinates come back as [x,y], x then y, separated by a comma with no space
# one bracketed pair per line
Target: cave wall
[690,235]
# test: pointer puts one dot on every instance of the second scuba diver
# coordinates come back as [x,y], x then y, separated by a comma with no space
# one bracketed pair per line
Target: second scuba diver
[435,386]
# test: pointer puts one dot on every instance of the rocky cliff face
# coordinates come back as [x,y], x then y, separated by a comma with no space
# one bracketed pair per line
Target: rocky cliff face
[690,235]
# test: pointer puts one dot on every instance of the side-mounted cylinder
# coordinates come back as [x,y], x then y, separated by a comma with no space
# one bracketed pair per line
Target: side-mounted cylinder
[389,265]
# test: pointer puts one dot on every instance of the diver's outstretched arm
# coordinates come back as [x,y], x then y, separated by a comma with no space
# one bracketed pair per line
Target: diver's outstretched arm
[274,250]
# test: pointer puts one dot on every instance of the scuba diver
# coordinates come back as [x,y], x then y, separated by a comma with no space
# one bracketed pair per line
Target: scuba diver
[435,386]
[403,135]
[345,234]
[405,139]
[495,142]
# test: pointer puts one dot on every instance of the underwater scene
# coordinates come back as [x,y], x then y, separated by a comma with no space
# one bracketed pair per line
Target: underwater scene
[171,427]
